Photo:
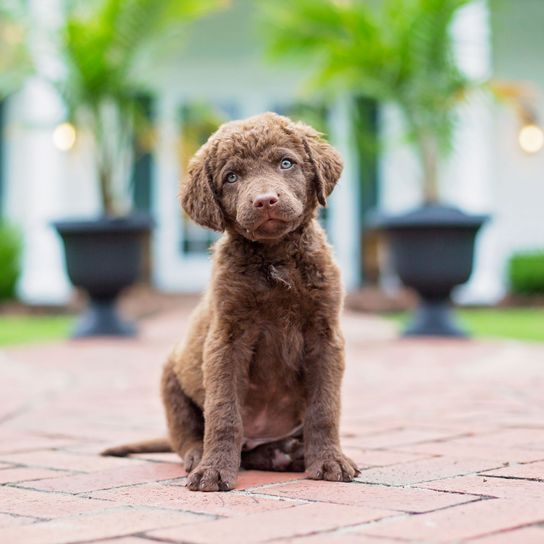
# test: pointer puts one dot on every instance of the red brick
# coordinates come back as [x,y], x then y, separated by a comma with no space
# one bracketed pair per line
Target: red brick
[404,499]
[382,458]
[525,438]
[180,498]
[68,461]
[339,537]
[531,471]
[26,502]
[401,437]
[254,478]
[425,471]
[116,522]
[473,447]
[22,441]
[462,522]
[107,479]
[23,474]
[158,457]
[128,540]
[287,523]
[528,535]
[505,488]
[7,520]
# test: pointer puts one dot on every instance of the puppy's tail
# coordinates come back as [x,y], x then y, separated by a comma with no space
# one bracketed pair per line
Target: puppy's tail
[157,445]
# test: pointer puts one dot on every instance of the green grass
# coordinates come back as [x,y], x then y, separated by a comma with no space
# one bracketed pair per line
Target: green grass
[513,323]
[16,330]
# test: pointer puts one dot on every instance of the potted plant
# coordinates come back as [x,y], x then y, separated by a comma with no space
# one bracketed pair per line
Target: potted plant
[398,52]
[108,48]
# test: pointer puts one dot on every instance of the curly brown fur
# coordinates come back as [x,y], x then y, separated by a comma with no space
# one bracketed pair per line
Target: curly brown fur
[257,379]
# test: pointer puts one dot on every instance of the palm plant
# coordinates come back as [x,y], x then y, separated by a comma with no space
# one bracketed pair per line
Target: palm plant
[106,46]
[391,51]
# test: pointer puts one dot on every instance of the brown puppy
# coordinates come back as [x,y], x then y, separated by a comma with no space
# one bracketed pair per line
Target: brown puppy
[256,382]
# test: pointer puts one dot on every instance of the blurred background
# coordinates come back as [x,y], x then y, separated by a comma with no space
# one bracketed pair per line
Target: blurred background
[431,102]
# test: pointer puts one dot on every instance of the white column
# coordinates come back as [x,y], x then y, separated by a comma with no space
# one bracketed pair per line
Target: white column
[34,174]
[345,219]
[468,182]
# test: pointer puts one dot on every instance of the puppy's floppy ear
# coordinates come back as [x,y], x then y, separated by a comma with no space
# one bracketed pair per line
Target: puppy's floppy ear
[325,160]
[199,196]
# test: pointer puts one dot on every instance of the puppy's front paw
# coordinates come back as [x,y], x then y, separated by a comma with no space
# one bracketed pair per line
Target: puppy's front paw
[208,478]
[333,467]
[192,458]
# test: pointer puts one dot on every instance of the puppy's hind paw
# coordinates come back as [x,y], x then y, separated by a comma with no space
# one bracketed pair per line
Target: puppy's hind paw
[210,479]
[334,468]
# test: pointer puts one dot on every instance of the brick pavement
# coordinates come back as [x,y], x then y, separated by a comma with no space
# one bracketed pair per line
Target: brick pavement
[449,434]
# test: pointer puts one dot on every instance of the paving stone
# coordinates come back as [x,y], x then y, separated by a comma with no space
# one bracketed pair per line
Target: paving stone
[256,478]
[158,457]
[23,474]
[99,526]
[107,479]
[404,499]
[506,488]
[403,437]
[180,498]
[7,520]
[68,461]
[340,537]
[477,448]
[128,540]
[27,502]
[530,471]
[462,522]
[523,437]
[426,470]
[527,535]
[13,442]
[286,523]
[382,458]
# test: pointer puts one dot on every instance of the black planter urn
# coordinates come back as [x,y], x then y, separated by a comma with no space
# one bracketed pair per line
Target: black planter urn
[103,257]
[432,249]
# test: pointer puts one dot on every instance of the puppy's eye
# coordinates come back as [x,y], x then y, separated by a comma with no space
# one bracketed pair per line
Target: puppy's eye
[231,177]
[285,164]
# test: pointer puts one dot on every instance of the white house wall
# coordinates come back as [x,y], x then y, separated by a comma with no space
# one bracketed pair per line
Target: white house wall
[518,179]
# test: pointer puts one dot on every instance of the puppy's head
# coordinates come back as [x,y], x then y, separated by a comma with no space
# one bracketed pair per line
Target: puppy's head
[263,177]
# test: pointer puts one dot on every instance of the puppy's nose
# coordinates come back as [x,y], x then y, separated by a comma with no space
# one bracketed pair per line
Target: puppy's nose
[265,200]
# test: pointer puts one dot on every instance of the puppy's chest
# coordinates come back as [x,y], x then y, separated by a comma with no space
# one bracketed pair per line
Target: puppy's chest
[285,305]
[288,286]
[274,402]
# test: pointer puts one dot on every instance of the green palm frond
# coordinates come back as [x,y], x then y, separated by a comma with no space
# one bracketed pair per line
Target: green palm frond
[102,43]
[396,51]
[15,60]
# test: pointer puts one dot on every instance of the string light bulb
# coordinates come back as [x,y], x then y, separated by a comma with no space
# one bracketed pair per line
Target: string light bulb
[531,138]
[64,136]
